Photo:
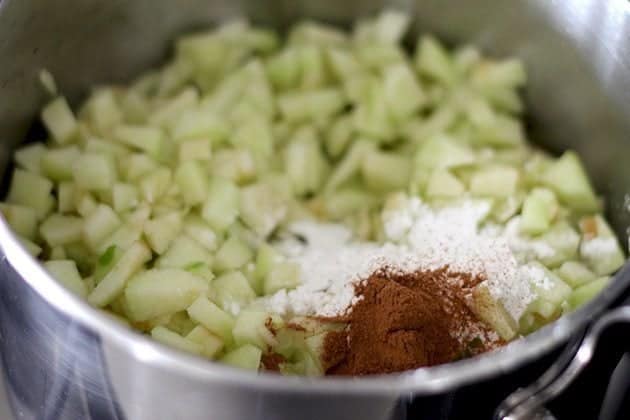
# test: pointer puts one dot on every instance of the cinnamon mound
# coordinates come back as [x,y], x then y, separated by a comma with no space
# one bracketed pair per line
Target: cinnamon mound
[407,321]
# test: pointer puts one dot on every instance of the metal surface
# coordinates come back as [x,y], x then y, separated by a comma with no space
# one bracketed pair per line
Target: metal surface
[521,404]
[5,409]
[578,59]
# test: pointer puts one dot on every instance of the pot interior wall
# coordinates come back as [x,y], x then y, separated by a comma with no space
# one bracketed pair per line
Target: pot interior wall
[579,68]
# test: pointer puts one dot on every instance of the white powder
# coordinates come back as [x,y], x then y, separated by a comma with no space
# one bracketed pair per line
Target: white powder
[399,216]
[599,247]
[526,249]
[329,266]
[537,276]
[420,238]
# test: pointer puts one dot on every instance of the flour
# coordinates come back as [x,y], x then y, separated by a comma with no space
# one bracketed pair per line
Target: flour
[418,238]
[537,276]
[599,247]
[526,249]
[330,263]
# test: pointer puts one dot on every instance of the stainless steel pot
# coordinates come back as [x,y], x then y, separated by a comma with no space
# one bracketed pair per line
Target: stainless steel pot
[51,344]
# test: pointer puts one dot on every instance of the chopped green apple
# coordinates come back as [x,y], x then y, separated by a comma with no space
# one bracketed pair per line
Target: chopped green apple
[156,292]
[491,311]
[567,177]
[245,357]
[215,319]
[172,339]
[599,247]
[210,344]
[114,282]
[66,272]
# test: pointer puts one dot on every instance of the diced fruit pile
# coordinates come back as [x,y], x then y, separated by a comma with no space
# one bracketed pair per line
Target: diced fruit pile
[159,202]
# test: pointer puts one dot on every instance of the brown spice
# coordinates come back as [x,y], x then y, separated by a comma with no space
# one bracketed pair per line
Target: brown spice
[270,327]
[295,327]
[407,321]
[271,361]
[335,349]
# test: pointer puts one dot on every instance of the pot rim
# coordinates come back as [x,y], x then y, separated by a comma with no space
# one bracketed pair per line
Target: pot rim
[429,380]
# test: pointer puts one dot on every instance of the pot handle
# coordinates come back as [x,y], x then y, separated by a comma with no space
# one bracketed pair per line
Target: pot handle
[529,403]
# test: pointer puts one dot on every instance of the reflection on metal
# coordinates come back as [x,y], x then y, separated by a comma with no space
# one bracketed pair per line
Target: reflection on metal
[5,409]
[524,403]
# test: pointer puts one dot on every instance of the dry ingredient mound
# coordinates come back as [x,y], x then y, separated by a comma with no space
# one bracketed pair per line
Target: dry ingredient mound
[417,238]
[407,321]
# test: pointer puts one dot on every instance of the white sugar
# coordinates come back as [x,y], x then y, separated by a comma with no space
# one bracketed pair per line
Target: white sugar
[419,238]
[526,248]
[330,265]
[537,276]
[599,247]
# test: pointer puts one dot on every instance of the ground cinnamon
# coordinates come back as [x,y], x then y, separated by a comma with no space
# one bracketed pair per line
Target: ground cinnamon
[295,327]
[407,321]
[270,327]
[271,361]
